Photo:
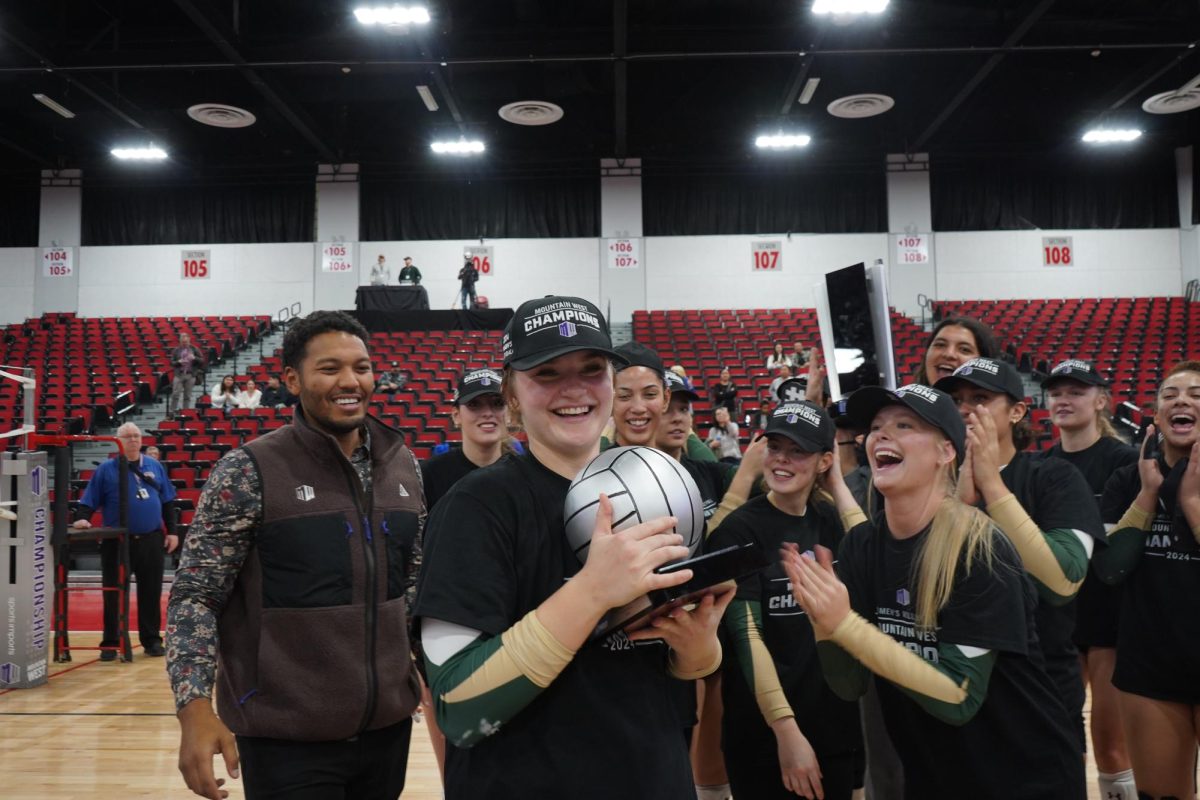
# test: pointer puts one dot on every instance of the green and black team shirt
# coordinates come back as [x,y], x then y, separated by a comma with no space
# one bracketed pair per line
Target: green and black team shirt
[606,726]
[442,471]
[1158,641]
[1056,497]
[1098,605]
[712,479]
[765,601]
[1019,743]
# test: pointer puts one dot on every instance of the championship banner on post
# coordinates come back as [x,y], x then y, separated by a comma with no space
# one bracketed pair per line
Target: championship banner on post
[27,561]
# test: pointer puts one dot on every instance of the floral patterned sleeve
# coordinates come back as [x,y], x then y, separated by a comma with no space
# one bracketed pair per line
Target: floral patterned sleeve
[220,536]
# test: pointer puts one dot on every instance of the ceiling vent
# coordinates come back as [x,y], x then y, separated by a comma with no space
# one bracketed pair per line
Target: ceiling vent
[859,106]
[1176,101]
[531,112]
[221,116]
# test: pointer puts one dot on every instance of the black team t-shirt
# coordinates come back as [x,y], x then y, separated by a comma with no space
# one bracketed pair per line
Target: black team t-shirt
[1098,605]
[1019,743]
[1055,495]
[442,471]
[1158,642]
[711,478]
[606,727]
[829,723]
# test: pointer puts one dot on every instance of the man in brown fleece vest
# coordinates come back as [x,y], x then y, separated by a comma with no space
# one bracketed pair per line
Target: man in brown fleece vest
[291,592]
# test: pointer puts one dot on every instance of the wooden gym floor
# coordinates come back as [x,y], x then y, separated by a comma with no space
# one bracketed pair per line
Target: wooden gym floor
[108,730]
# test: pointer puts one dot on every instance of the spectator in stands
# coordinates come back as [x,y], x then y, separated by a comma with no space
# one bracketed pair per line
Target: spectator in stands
[467,277]
[188,363]
[391,381]
[151,496]
[778,358]
[225,394]
[154,452]
[323,517]
[679,370]
[276,394]
[798,357]
[724,393]
[784,374]
[723,437]
[409,274]
[381,273]
[954,341]
[250,396]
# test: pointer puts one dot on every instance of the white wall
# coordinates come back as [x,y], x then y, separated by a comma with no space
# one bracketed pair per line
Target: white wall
[1008,265]
[16,283]
[680,272]
[522,270]
[147,281]
[716,271]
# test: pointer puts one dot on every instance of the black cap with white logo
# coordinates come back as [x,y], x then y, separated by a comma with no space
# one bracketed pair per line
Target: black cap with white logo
[476,383]
[986,373]
[805,424]
[1075,370]
[680,386]
[542,330]
[793,390]
[932,405]
[637,354]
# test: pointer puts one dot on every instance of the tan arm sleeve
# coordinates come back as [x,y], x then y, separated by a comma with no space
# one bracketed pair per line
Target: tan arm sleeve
[1040,560]
[1134,517]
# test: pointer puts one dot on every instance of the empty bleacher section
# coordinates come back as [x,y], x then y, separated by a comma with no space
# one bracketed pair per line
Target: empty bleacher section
[89,369]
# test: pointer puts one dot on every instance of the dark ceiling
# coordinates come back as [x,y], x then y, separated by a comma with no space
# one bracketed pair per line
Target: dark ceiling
[683,84]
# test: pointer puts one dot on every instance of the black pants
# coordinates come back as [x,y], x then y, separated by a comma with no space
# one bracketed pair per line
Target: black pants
[146,562]
[369,767]
[754,773]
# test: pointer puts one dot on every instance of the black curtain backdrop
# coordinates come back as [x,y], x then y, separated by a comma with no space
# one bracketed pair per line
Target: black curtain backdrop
[490,208]
[1106,191]
[20,203]
[201,213]
[693,205]
[1195,185]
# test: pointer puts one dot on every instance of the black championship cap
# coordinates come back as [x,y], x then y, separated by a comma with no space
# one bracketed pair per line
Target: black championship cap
[552,326]
[793,390]
[986,373]
[841,418]
[679,386]
[637,354]
[932,405]
[1074,370]
[475,383]
[805,424]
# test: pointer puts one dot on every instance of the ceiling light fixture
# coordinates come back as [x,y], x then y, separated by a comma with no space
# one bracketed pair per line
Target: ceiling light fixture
[392,15]
[810,88]
[849,6]
[427,98]
[150,153]
[1111,136]
[62,111]
[460,148]
[782,141]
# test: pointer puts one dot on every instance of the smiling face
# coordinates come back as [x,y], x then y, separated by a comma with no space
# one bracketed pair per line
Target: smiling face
[906,453]
[675,425]
[1003,411]
[952,347]
[789,469]
[725,376]
[1075,406]
[1178,411]
[483,419]
[565,402]
[334,382]
[638,404]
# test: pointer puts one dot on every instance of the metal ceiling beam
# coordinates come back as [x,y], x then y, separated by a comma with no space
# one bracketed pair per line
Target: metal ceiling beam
[20,38]
[978,78]
[620,78]
[1158,73]
[295,117]
[427,62]
[32,156]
